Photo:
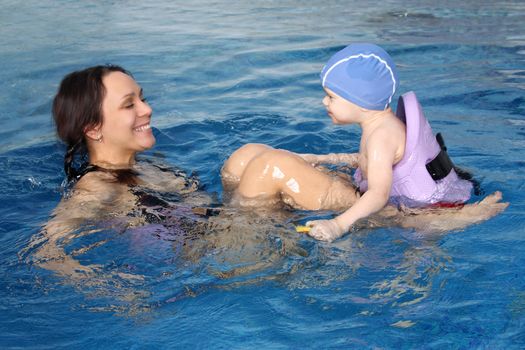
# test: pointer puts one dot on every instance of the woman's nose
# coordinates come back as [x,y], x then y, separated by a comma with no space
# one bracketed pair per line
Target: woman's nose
[145,109]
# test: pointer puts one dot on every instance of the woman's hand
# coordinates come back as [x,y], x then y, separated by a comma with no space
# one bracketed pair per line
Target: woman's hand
[351,159]
[310,158]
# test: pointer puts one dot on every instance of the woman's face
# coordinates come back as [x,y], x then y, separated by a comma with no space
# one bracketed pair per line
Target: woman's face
[126,115]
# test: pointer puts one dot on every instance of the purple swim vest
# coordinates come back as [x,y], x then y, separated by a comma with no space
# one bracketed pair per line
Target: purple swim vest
[412,184]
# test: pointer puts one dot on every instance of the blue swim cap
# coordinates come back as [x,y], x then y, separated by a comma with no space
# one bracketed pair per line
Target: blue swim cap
[363,74]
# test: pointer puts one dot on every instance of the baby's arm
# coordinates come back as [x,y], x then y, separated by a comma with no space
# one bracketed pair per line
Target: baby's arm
[380,154]
[352,159]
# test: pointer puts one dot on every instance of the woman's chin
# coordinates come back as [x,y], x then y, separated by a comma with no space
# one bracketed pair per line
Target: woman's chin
[148,142]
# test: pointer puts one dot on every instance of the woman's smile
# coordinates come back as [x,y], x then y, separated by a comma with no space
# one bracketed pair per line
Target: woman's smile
[143,127]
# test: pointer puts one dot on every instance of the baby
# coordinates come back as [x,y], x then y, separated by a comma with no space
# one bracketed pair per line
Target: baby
[360,81]
[399,159]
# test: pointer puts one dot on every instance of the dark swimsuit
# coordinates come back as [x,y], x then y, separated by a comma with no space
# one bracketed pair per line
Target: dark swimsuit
[125,176]
[154,208]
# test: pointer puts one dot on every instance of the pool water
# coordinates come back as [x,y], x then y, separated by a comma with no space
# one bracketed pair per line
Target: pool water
[219,74]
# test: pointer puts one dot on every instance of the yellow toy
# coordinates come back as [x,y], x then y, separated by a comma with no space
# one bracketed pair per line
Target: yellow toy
[302,229]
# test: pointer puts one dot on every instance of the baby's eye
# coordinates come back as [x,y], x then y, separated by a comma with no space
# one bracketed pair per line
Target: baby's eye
[129,106]
[144,99]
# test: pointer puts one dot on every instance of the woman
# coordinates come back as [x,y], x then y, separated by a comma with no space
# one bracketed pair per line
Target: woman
[101,114]
[104,120]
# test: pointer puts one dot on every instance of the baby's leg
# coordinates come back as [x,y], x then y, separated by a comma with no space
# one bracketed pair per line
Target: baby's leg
[279,173]
[235,165]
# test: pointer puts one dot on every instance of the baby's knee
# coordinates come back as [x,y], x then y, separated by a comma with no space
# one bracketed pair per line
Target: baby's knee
[235,165]
[273,164]
[278,157]
[250,150]
[254,148]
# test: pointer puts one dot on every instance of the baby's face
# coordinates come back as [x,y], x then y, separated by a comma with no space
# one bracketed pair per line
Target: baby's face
[341,111]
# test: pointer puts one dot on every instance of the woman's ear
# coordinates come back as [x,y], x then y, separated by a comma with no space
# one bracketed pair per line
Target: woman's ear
[93,133]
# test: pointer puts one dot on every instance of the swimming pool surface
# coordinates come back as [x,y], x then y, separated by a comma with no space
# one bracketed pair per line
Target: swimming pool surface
[219,74]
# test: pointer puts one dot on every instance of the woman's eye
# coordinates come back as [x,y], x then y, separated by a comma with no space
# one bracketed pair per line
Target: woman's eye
[131,105]
[144,99]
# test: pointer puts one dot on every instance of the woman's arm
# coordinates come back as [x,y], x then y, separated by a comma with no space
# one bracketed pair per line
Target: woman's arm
[351,159]
[92,200]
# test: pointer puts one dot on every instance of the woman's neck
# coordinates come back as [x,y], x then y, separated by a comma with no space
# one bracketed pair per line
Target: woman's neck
[110,160]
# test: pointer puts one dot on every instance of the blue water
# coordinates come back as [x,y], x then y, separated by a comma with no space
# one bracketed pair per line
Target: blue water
[219,74]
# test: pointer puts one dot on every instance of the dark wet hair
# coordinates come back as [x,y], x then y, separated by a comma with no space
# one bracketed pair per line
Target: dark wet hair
[77,106]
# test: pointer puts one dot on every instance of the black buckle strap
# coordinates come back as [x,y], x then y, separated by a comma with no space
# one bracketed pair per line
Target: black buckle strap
[440,166]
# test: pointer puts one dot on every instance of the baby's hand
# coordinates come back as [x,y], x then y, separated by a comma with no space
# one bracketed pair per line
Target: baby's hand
[325,230]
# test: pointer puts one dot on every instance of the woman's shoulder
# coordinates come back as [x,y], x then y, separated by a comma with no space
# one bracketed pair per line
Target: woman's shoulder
[107,184]
[165,178]
[99,186]
[93,180]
